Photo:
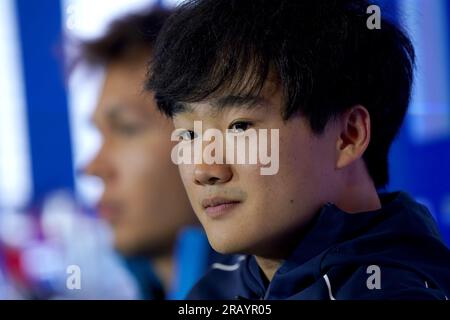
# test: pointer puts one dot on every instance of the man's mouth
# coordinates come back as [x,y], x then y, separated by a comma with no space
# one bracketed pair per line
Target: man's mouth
[217,206]
[108,211]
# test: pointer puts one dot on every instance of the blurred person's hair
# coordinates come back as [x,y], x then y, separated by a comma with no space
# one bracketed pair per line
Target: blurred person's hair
[125,37]
[322,52]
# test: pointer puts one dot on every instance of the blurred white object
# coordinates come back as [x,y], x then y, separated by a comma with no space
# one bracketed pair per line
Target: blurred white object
[15,183]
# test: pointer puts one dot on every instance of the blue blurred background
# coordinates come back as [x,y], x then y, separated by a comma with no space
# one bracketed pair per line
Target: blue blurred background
[46,137]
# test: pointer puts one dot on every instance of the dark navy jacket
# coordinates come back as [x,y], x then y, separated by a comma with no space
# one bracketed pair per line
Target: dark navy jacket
[392,253]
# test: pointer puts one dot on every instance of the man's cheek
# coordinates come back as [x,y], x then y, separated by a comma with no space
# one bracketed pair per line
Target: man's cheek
[185,173]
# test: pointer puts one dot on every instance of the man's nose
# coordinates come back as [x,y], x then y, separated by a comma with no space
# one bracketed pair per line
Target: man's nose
[99,166]
[210,174]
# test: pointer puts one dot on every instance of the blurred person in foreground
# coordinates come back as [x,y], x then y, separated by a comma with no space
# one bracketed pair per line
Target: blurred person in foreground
[144,200]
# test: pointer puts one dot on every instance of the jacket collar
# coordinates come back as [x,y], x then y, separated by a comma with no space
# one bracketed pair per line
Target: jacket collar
[332,226]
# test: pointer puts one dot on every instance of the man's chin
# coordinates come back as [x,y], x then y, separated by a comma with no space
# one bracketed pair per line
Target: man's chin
[124,250]
[132,249]
[223,246]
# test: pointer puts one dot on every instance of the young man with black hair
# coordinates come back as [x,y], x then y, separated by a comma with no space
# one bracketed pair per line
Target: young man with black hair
[337,92]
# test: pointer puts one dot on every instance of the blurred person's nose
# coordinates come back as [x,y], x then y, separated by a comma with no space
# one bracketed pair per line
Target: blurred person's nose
[100,166]
[211,174]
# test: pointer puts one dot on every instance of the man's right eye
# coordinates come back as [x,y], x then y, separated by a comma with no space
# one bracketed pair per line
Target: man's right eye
[187,135]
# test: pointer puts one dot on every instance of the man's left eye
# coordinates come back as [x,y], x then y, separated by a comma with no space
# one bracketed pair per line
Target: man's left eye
[240,126]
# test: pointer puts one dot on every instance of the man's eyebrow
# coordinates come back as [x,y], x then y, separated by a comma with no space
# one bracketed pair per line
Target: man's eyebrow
[248,102]
[112,114]
[230,101]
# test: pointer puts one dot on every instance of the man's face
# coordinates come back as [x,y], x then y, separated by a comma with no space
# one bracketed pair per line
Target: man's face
[144,199]
[249,212]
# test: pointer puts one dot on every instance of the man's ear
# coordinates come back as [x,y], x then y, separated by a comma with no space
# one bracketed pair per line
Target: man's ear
[354,135]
